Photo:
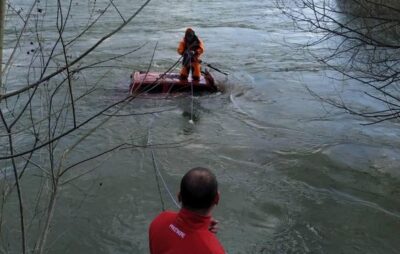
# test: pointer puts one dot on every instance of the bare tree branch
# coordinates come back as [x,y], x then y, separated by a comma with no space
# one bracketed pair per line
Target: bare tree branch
[78,59]
[359,39]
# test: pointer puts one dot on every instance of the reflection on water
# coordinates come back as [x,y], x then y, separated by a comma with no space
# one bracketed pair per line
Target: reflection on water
[295,176]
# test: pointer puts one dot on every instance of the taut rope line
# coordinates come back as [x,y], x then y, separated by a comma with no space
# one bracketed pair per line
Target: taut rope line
[158,175]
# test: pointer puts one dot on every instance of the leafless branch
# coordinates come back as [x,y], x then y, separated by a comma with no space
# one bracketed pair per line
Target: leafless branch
[357,38]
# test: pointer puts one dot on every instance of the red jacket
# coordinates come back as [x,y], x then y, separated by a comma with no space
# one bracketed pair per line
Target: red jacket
[183,233]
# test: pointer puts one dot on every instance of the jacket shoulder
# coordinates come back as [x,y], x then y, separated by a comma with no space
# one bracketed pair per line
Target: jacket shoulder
[163,217]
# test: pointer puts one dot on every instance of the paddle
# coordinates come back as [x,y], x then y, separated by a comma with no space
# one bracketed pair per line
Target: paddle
[214,68]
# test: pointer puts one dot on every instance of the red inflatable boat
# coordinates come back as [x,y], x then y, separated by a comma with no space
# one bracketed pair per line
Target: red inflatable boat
[156,82]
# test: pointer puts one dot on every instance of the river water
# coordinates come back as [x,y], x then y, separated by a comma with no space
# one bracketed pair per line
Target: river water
[296,176]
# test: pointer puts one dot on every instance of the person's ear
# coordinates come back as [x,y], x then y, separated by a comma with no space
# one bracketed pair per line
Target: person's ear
[179,197]
[216,199]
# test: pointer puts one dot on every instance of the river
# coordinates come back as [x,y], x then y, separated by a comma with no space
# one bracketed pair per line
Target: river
[295,175]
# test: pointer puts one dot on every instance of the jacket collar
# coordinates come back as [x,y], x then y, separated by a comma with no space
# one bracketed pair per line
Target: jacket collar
[192,220]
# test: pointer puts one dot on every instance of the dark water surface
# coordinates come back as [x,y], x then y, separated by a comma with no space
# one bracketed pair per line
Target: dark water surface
[296,176]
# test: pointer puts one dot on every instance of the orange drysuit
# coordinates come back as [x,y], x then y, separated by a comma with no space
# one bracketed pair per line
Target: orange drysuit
[191,47]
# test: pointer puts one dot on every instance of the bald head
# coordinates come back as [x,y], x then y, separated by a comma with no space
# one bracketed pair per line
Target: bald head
[199,189]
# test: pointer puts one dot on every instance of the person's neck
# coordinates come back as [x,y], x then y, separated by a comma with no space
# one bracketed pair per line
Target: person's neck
[203,212]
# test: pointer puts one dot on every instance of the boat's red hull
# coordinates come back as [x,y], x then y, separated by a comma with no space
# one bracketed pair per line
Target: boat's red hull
[156,82]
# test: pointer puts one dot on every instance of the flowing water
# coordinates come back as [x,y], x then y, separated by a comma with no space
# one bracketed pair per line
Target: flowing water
[296,176]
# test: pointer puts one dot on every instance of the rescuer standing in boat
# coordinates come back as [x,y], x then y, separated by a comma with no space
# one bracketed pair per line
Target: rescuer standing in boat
[191,47]
[192,229]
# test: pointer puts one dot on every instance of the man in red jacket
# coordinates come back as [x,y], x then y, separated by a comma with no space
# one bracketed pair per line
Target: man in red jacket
[191,230]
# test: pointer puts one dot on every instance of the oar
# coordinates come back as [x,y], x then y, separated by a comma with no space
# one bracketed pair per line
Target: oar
[214,68]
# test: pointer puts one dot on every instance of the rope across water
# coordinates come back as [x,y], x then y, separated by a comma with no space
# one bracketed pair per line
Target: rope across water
[157,173]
